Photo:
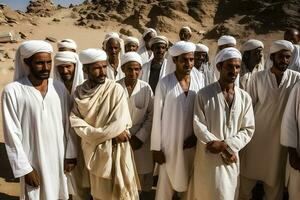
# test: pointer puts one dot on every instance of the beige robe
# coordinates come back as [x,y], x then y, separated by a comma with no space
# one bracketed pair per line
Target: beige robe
[246,75]
[214,120]
[99,115]
[290,137]
[264,158]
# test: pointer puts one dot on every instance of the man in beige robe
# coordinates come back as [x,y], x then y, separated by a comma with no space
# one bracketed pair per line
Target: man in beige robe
[100,116]
[264,159]
[223,125]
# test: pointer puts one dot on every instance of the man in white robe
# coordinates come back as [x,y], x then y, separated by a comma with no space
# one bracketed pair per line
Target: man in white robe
[35,124]
[68,69]
[100,116]
[145,49]
[155,69]
[264,159]
[67,45]
[252,62]
[131,44]
[140,102]
[223,125]
[293,36]
[202,63]
[172,138]
[290,138]
[185,33]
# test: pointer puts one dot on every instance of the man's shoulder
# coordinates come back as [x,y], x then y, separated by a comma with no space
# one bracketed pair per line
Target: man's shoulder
[14,86]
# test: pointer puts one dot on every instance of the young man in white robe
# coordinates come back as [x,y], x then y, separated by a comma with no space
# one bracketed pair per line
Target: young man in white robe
[101,118]
[67,45]
[172,138]
[293,36]
[264,159]
[35,125]
[68,69]
[131,44]
[155,69]
[140,102]
[185,33]
[145,49]
[290,138]
[202,63]
[223,125]
[252,61]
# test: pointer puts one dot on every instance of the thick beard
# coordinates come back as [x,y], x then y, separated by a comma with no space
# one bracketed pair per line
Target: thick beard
[38,76]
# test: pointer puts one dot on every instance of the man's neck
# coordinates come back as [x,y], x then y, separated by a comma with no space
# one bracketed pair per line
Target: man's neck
[68,85]
[130,84]
[278,74]
[114,62]
[250,65]
[157,60]
[225,86]
[40,85]
[182,77]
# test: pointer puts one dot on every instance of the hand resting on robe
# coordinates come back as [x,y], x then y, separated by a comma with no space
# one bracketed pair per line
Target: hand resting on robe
[123,137]
[294,158]
[159,157]
[135,143]
[33,178]
[69,164]
[190,142]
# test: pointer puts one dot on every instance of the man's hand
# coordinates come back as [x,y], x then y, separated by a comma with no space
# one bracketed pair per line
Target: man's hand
[123,137]
[190,142]
[216,146]
[294,159]
[135,142]
[159,157]
[69,164]
[228,158]
[33,178]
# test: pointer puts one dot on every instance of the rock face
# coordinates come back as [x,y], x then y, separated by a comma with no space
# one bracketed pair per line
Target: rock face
[42,8]
[8,16]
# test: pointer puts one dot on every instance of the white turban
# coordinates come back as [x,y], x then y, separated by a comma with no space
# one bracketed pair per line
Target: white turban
[281,45]
[187,28]
[202,48]
[226,39]
[228,53]
[159,39]
[252,44]
[149,30]
[67,43]
[131,56]
[65,57]
[26,50]
[88,56]
[182,47]
[131,40]
[112,34]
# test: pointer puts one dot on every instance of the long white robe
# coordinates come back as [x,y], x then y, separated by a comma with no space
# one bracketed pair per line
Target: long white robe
[290,137]
[34,132]
[214,120]
[140,104]
[145,54]
[264,158]
[146,68]
[172,124]
[208,73]
[246,75]
[111,72]
[295,60]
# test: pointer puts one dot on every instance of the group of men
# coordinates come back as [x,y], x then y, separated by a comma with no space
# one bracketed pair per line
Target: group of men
[109,119]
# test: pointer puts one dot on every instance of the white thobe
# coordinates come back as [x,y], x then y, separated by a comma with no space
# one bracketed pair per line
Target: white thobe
[172,124]
[295,60]
[215,120]
[111,72]
[264,158]
[146,69]
[140,104]
[246,75]
[290,137]
[34,132]
[208,73]
[145,54]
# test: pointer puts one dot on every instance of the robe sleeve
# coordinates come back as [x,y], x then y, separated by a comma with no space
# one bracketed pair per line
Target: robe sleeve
[145,131]
[289,126]
[156,134]
[245,132]
[13,137]
[119,121]
[200,122]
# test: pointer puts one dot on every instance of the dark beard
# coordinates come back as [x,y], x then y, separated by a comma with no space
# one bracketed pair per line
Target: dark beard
[40,75]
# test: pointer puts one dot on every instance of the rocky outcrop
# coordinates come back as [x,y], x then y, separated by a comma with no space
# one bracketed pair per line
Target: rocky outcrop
[41,8]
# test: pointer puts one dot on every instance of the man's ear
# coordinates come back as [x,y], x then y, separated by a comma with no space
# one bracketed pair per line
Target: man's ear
[85,69]
[123,68]
[174,59]
[272,56]
[219,66]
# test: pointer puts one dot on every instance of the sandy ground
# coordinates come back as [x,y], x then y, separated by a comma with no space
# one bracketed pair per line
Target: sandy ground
[85,38]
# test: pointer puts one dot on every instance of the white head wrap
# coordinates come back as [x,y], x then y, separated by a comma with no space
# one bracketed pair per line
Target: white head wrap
[26,50]
[182,47]
[65,57]
[115,36]
[226,39]
[67,43]
[131,56]
[159,39]
[149,30]
[251,45]
[202,48]
[131,40]
[281,45]
[88,56]
[112,34]
[187,28]
[228,53]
